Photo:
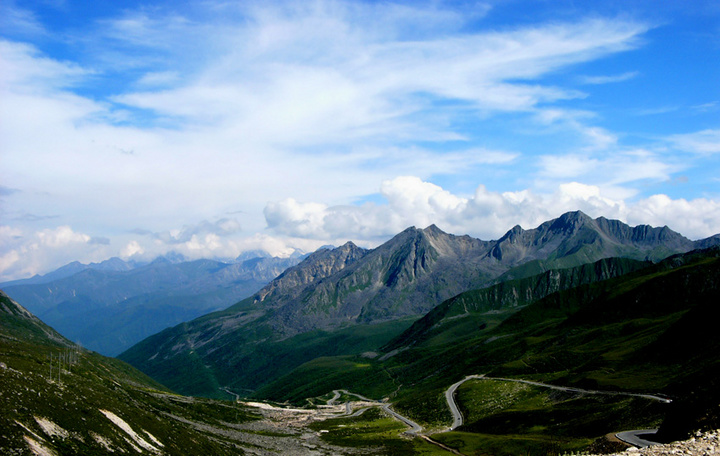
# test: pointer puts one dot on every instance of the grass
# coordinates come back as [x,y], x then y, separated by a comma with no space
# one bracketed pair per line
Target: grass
[507,444]
[373,429]
[86,383]
[500,407]
[93,383]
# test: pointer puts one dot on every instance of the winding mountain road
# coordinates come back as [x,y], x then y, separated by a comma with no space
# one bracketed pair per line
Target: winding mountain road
[458,418]
[638,438]
[452,404]
[415,428]
[237,396]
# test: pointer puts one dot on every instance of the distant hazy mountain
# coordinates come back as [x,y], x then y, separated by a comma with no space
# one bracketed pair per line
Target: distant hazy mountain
[403,278]
[113,264]
[109,306]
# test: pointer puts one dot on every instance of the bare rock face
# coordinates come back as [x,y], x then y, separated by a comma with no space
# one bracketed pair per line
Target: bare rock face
[317,266]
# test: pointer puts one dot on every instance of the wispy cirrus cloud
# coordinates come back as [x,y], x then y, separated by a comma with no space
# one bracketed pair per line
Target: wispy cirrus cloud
[608,169]
[609,79]
[700,142]
[20,21]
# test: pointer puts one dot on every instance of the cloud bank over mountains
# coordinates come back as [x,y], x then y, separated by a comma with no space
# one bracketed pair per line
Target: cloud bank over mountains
[409,201]
[210,130]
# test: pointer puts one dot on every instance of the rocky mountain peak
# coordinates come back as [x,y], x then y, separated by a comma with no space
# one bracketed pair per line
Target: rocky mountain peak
[641,234]
[433,230]
[318,265]
[349,246]
[570,222]
[513,235]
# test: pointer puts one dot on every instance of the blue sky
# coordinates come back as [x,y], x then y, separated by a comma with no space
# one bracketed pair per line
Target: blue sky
[209,128]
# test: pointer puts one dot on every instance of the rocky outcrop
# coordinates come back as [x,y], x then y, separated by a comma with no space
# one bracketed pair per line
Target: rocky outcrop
[701,444]
[317,266]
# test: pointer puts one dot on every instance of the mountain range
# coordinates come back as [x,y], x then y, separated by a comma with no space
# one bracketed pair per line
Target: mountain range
[109,306]
[348,299]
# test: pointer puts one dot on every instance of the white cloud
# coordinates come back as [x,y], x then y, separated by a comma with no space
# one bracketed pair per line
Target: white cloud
[25,69]
[28,253]
[20,21]
[159,78]
[297,219]
[61,237]
[610,79]
[131,249]
[486,214]
[607,169]
[701,142]
[696,218]
[222,227]
[291,69]
[593,138]
[408,201]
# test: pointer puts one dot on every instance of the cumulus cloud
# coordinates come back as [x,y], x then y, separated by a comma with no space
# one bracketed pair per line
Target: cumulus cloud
[28,253]
[487,214]
[696,218]
[132,249]
[187,233]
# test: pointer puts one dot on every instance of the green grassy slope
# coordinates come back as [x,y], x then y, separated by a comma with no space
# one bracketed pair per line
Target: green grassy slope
[257,364]
[56,397]
[459,316]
